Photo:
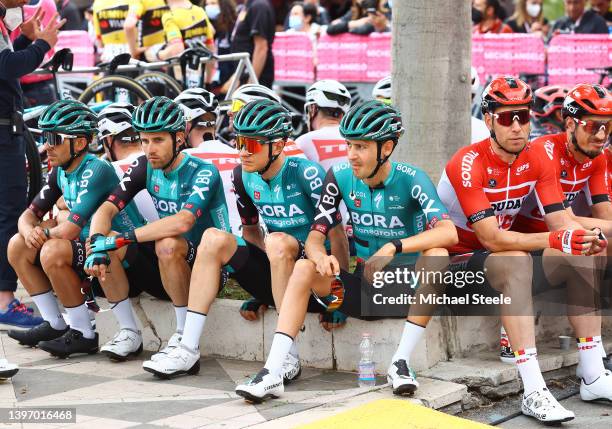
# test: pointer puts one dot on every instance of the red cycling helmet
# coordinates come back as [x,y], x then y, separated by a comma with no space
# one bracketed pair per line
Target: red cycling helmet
[548,99]
[505,91]
[587,99]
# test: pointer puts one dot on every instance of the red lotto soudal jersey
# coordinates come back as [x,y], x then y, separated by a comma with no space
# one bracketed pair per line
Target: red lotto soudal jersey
[477,184]
[572,177]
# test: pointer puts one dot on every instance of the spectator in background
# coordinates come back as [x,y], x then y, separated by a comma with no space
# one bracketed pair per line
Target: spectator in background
[254,33]
[528,18]
[577,20]
[364,17]
[602,7]
[222,15]
[486,17]
[302,18]
[68,11]
[322,13]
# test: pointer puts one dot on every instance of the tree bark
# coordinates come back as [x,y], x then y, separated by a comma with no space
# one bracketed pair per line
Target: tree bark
[431,80]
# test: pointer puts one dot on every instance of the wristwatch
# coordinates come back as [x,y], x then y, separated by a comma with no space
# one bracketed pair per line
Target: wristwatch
[398,245]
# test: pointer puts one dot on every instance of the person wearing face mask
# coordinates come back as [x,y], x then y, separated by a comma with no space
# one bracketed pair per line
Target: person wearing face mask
[302,18]
[528,17]
[486,17]
[16,60]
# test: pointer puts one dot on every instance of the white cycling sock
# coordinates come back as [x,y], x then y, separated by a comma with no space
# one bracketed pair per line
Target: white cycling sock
[529,369]
[181,314]
[410,337]
[602,350]
[294,350]
[281,344]
[124,314]
[194,325]
[49,310]
[79,320]
[590,358]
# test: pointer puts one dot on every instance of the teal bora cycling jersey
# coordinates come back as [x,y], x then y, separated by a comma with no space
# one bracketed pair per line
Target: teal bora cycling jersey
[286,203]
[84,190]
[194,185]
[404,205]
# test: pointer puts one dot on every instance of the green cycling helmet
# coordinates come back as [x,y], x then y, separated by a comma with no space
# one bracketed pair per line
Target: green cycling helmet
[68,117]
[159,114]
[263,118]
[372,121]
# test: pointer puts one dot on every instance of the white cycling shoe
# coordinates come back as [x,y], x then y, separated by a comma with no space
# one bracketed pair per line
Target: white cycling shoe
[180,360]
[292,369]
[125,343]
[7,369]
[263,386]
[542,405]
[599,390]
[402,378]
[173,343]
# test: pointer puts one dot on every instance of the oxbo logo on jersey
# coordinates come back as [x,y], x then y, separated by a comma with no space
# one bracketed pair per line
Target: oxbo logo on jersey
[379,221]
[312,175]
[418,194]
[466,168]
[273,210]
[507,205]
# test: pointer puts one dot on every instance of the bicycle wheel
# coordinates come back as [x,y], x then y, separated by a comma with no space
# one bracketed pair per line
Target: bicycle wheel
[115,88]
[33,166]
[159,83]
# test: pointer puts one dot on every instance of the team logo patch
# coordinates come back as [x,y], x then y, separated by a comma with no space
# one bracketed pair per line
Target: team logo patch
[257,195]
[121,205]
[198,213]
[156,188]
[188,206]
[75,217]
[357,202]
[492,183]
[563,174]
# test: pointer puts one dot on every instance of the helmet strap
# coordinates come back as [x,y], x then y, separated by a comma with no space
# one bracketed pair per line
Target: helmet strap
[271,159]
[111,152]
[73,155]
[578,149]
[380,160]
[175,152]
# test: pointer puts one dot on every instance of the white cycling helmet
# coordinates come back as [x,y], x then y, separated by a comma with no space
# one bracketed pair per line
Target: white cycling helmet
[197,101]
[382,90]
[475,81]
[328,93]
[253,91]
[115,119]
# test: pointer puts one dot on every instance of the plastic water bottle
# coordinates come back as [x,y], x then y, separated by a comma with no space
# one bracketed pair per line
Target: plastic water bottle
[367,375]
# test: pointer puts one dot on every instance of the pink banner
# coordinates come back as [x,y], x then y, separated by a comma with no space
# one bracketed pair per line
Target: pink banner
[513,54]
[293,57]
[351,58]
[570,55]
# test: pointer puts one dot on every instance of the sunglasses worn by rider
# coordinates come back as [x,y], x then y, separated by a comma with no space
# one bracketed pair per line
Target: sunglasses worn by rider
[593,127]
[251,144]
[507,118]
[56,139]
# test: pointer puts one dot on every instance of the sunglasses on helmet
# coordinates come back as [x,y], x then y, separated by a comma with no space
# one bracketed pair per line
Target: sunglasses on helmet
[593,127]
[507,118]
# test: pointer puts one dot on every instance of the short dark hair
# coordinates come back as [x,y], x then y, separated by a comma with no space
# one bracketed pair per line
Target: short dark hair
[499,10]
[310,10]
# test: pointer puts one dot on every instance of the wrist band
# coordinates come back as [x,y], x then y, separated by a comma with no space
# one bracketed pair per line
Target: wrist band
[46,231]
[398,245]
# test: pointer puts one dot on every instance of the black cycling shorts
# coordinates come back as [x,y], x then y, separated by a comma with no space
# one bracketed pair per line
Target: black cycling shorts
[251,269]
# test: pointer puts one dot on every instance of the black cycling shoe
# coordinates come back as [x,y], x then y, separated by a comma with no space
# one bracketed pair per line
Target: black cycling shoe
[42,332]
[71,342]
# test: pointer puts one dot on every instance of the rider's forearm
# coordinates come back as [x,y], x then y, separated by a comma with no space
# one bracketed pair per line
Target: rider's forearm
[26,223]
[171,226]
[172,50]
[339,245]
[590,223]
[131,34]
[443,235]
[315,246]
[102,220]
